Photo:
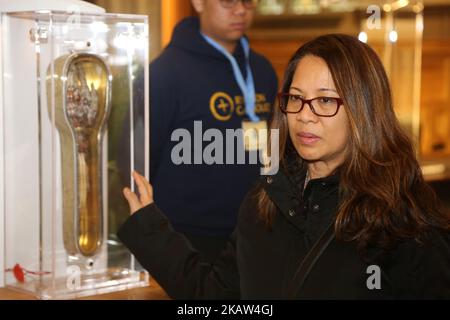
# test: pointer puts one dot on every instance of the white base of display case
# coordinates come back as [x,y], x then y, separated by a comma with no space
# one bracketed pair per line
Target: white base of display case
[95,284]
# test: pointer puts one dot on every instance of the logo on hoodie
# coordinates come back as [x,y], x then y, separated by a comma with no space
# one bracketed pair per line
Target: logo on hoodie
[223,106]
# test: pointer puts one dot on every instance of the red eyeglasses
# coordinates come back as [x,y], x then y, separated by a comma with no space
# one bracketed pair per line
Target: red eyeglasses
[320,106]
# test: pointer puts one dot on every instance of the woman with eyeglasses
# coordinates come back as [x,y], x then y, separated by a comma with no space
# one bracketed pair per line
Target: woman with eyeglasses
[347,216]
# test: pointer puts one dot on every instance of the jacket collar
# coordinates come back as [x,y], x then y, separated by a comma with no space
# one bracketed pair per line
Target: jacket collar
[282,191]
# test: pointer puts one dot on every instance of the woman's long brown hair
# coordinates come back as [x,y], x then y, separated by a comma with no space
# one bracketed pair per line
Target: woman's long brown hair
[384,197]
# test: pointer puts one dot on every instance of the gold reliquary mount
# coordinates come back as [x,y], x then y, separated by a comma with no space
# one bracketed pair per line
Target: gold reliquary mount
[82,91]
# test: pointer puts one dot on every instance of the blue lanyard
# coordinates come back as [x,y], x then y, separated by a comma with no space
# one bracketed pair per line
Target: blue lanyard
[248,86]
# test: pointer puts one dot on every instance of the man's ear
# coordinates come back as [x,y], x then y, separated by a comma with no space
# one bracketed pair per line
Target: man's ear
[199,5]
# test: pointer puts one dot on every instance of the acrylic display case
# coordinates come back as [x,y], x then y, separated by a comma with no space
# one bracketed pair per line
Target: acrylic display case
[74,126]
[397,37]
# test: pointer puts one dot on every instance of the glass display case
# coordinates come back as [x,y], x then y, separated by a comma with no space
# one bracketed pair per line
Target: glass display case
[74,127]
[395,31]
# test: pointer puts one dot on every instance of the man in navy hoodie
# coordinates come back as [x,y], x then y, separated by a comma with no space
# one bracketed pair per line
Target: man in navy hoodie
[194,86]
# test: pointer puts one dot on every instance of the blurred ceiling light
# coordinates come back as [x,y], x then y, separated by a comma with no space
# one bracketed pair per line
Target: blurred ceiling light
[363,37]
[393,36]
[433,169]
[329,3]
[271,6]
[305,6]
[399,4]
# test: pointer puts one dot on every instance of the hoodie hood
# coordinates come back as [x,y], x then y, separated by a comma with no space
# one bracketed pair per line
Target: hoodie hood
[187,36]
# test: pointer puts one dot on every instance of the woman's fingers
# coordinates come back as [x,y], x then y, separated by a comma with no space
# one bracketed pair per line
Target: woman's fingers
[133,201]
[149,188]
[145,193]
[145,189]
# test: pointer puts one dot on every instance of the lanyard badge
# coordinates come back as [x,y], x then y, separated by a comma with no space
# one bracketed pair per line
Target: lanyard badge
[247,86]
[255,130]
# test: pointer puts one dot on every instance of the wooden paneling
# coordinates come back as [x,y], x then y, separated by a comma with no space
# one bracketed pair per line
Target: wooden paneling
[435,101]
[278,52]
[278,37]
[172,11]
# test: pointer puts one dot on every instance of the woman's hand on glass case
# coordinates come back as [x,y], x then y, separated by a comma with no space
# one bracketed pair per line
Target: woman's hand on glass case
[145,193]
